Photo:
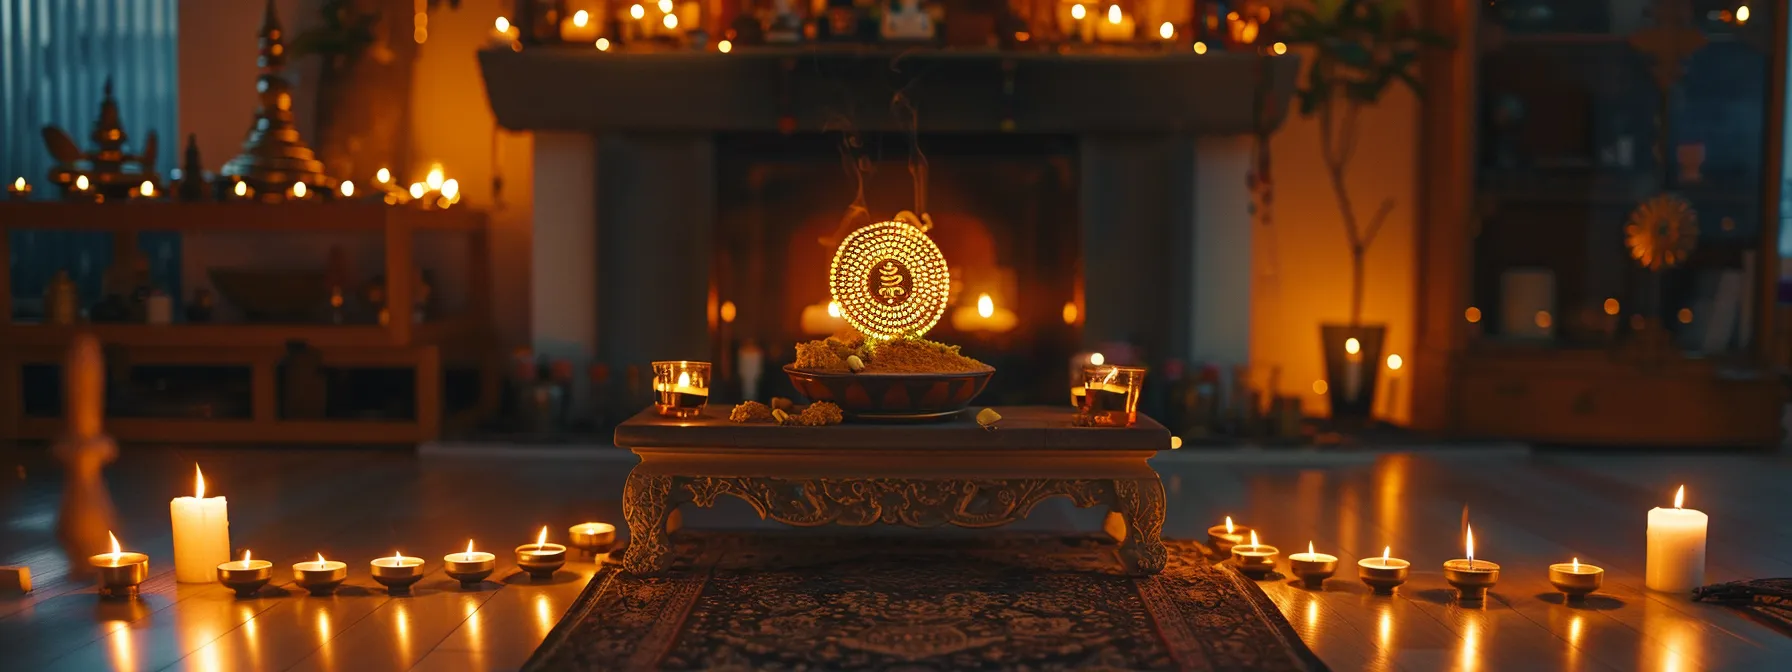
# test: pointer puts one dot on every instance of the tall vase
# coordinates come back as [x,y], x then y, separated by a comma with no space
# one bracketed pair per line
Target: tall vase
[1350,376]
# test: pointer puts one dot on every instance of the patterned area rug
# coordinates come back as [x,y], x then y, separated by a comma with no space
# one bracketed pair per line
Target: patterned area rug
[739,601]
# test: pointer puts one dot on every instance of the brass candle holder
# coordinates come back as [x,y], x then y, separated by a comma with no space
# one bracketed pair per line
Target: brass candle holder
[245,576]
[1471,578]
[1223,537]
[1313,567]
[1255,559]
[1383,574]
[120,573]
[592,538]
[1576,580]
[469,568]
[541,559]
[320,576]
[397,573]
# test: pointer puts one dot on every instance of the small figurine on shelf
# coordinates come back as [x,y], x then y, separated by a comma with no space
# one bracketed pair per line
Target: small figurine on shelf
[108,170]
[192,186]
[786,25]
[907,23]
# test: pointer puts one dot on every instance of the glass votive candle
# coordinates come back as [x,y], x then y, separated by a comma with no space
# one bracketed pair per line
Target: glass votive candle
[245,576]
[680,388]
[397,572]
[1111,396]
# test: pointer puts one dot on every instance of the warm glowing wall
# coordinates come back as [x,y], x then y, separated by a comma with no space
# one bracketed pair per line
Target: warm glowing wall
[1303,260]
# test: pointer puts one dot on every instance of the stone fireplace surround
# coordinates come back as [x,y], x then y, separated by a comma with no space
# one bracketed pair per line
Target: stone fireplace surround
[625,187]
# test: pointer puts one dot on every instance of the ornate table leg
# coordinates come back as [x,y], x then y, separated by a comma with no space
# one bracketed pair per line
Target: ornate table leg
[1140,502]
[647,505]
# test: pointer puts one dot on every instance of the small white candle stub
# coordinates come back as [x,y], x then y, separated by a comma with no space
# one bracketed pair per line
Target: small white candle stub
[1676,558]
[201,533]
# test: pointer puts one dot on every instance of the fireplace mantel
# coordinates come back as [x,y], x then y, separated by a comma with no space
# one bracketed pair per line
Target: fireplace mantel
[812,89]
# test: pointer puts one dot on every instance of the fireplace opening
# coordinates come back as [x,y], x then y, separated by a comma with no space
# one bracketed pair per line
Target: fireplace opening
[1005,214]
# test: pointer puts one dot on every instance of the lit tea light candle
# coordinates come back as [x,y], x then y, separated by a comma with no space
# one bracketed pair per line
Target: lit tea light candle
[1676,559]
[1575,580]
[19,189]
[242,190]
[245,576]
[1313,567]
[681,388]
[120,573]
[1117,27]
[397,573]
[1224,537]
[541,559]
[201,533]
[578,28]
[1255,559]
[1383,574]
[299,191]
[320,576]
[82,184]
[346,189]
[1469,576]
[146,190]
[592,538]
[1353,368]
[470,567]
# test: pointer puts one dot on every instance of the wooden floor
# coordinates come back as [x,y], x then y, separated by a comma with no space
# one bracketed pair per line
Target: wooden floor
[1528,510]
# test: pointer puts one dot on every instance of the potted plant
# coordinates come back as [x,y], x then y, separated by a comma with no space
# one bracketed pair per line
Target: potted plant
[1360,48]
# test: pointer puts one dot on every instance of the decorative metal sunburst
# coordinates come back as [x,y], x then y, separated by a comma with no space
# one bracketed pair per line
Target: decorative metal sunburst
[890,280]
[1662,231]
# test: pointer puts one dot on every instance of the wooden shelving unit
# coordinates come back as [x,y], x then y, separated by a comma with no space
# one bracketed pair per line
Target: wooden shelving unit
[465,339]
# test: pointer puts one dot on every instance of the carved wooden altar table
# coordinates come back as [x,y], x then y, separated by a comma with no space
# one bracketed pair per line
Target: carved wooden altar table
[924,475]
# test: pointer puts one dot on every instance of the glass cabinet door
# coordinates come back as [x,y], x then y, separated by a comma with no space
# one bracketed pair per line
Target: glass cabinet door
[1622,153]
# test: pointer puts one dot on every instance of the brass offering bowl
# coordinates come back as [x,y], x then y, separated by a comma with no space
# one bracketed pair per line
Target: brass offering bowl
[592,538]
[246,577]
[1383,575]
[1471,578]
[120,574]
[541,560]
[397,573]
[469,568]
[892,397]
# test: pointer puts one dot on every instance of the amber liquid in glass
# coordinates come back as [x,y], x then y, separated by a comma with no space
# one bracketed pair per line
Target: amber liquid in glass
[1110,405]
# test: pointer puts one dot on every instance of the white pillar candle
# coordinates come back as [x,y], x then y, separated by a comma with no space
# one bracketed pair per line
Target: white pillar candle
[201,534]
[1676,561]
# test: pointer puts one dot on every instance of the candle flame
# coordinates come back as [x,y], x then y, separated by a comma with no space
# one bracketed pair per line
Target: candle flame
[451,189]
[580,18]
[1228,525]
[298,189]
[1200,48]
[1470,544]
[148,189]
[684,380]
[242,189]
[385,175]
[416,190]
[397,557]
[833,309]
[81,182]
[724,46]
[469,547]
[115,550]
[434,178]
[1078,12]
[198,482]
[543,537]
[671,21]
[1166,30]
[1095,359]
[1385,552]
[347,189]
[1310,550]
[1352,346]
[1395,362]
[665,6]
[503,26]
[985,306]
[1680,497]
[1576,564]
[637,12]
[245,556]
[603,43]
[320,558]
[18,183]
[1742,14]
[1254,538]
[1114,14]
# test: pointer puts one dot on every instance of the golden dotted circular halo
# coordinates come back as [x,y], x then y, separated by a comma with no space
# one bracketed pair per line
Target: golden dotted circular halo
[890,280]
